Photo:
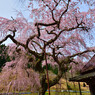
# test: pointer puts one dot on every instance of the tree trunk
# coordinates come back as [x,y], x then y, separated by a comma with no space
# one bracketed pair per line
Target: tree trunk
[43,85]
[42,91]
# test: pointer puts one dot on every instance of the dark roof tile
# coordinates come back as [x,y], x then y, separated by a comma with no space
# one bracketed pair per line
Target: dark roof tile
[89,66]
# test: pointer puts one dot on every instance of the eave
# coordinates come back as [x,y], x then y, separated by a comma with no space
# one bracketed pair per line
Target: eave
[83,78]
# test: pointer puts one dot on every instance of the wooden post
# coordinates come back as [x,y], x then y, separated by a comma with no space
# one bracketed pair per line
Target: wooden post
[92,88]
[79,88]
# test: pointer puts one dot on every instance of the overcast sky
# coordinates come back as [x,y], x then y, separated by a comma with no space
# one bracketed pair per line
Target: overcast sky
[9,8]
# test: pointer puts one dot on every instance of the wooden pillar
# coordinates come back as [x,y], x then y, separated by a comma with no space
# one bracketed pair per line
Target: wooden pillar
[79,88]
[92,88]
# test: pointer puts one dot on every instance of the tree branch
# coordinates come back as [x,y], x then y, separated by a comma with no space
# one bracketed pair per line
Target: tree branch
[56,4]
[66,29]
[55,57]
[37,44]
[80,53]
[29,39]
[12,38]
[51,13]
[64,11]
[51,32]
[57,78]
[20,44]
[44,24]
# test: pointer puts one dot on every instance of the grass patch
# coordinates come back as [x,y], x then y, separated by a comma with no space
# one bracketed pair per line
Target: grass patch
[52,93]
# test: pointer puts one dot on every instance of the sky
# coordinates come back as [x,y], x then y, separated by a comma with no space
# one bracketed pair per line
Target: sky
[9,8]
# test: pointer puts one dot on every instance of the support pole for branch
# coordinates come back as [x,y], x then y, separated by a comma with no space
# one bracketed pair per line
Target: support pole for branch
[47,71]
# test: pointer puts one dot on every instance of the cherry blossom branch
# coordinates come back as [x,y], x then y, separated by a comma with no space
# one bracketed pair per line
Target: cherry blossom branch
[75,62]
[44,24]
[12,38]
[51,13]
[37,44]
[55,57]
[13,31]
[66,29]
[81,23]
[64,11]
[29,39]
[20,44]
[34,47]
[51,32]
[56,4]
[78,54]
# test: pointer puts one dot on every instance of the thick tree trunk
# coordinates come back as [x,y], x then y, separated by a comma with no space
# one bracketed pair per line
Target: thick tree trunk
[52,82]
[44,86]
[42,91]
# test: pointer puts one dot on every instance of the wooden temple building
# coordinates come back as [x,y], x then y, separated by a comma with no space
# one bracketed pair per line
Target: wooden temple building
[87,75]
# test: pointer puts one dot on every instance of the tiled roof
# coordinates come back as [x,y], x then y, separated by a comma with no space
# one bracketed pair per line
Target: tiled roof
[87,72]
[89,66]
[83,78]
